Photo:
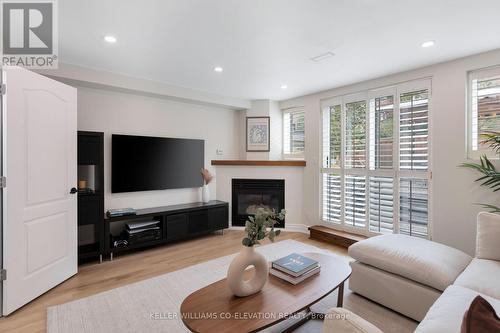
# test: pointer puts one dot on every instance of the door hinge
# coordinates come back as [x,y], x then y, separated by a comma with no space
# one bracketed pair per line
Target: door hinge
[3,89]
[3,275]
[3,182]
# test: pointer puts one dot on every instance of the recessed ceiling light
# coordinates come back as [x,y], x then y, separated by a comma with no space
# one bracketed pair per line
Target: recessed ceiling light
[110,39]
[284,86]
[218,69]
[428,43]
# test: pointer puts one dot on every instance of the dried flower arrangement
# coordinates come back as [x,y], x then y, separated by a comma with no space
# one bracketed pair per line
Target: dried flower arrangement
[207,176]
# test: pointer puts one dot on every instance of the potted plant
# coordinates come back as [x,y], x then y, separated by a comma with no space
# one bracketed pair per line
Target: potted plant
[490,176]
[257,228]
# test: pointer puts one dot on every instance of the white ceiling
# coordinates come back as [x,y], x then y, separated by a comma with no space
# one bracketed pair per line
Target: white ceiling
[262,44]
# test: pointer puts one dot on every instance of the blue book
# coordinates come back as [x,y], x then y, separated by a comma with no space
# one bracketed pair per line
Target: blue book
[295,264]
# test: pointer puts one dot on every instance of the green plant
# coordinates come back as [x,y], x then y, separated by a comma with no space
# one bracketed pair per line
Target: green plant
[491,177]
[256,227]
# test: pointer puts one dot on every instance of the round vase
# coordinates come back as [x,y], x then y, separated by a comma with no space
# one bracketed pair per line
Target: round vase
[247,257]
[205,194]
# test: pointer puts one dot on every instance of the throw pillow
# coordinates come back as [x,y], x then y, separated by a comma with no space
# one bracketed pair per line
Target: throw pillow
[480,318]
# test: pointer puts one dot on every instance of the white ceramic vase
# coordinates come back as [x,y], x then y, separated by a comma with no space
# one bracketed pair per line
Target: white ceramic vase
[205,194]
[247,257]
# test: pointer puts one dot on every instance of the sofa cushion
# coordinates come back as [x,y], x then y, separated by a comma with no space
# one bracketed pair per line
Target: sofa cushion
[482,276]
[488,234]
[430,263]
[446,315]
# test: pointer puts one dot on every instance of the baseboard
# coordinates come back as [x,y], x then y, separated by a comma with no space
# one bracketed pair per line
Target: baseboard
[290,227]
[297,228]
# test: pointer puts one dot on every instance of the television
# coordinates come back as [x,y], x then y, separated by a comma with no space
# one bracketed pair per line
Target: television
[143,163]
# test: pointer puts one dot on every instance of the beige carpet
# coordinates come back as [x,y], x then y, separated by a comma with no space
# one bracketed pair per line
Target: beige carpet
[130,308]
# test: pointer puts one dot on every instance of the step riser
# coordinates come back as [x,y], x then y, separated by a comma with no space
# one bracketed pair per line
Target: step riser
[330,237]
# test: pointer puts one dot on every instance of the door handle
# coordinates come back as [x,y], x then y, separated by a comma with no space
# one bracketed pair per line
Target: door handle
[73,190]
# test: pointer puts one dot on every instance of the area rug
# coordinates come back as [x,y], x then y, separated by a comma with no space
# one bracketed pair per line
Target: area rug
[153,305]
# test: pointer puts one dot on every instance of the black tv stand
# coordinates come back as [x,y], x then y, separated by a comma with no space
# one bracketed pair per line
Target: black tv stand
[177,222]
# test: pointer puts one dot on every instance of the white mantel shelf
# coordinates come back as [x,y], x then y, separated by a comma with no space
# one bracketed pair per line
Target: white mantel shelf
[295,163]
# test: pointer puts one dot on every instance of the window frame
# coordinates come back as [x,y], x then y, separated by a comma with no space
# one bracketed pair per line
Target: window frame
[482,73]
[293,110]
[395,173]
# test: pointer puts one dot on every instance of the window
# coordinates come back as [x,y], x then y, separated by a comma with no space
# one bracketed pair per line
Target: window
[413,206]
[381,204]
[381,132]
[294,133]
[355,134]
[355,200]
[484,109]
[413,130]
[375,172]
[332,143]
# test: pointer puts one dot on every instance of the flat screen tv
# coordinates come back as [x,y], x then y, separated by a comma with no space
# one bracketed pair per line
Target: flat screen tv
[143,163]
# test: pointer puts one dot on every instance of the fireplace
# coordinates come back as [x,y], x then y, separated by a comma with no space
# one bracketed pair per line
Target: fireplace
[250,194]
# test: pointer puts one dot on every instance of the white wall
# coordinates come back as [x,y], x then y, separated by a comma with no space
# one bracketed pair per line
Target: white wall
[259,108]
[276,129]
[265,108]
[453,190]
[87,77]
[120,113]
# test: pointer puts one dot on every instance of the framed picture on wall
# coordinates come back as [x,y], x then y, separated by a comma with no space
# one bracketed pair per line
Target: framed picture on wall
[258,133]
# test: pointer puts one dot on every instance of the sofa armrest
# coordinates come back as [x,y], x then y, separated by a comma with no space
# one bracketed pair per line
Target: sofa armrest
[488,235]
[343,320]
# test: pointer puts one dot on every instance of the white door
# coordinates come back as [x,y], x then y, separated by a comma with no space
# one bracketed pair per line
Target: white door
[39,163]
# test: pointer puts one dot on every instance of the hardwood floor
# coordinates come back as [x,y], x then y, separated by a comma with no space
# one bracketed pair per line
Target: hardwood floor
[128,268]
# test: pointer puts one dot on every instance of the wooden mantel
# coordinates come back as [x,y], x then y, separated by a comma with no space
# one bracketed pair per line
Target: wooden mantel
[296,163]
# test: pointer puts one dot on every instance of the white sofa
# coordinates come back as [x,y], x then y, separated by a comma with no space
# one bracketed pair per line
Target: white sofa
[425,280]
[391,269]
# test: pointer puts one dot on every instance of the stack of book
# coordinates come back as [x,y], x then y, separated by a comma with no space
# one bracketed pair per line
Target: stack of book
[294,268]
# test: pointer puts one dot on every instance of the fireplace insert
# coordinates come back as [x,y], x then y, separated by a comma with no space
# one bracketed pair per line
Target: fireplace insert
[250,194]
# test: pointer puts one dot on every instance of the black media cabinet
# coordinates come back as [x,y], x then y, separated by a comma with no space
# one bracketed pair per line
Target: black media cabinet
[177,222]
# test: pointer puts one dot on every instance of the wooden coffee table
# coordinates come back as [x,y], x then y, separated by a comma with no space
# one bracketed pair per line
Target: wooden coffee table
[215,309]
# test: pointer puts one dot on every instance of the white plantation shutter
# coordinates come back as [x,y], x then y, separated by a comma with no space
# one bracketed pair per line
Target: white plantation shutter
[355,201]
[332,204]
[484,109]
[325,143]
[375,170]
[294,132]
[335,136]
[414,130]
[381,200]
[414,157]
[381,132]
[286,133]
[332,140]
[355,135]
[413,207]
